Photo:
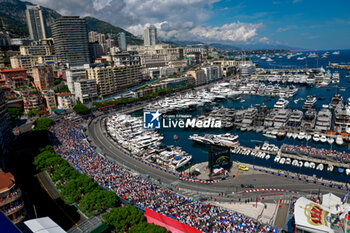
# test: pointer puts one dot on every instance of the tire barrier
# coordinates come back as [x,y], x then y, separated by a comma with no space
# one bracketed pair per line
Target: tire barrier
[268,190]
[199,180]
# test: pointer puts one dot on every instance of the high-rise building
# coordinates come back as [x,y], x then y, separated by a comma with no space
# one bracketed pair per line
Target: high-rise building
[71,40]
[43,77]
[74,74]
[122,41]
[111,80]
[50,99]
[150,36]
[85,90]
[36,23]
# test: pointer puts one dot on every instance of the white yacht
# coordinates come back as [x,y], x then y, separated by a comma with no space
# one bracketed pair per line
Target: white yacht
[281,103]
[324,119]
[295,118]
[281,118]
[309,102]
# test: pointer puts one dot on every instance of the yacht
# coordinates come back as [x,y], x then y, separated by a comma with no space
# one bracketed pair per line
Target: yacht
[301,58]
[335,79]
[312,55]
[281,103]
[336,99]
[310,80]
[183,161]
[309,102]
[324,119]
[342,120]
[336,53]
[316,138]
[269,119]
[281,118]
[309,119]
[249,116]
[339,140]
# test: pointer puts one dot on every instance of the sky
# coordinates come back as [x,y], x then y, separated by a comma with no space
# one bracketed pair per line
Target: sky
[305,24]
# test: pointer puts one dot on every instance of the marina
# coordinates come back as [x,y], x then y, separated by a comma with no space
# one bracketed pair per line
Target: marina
[269,109]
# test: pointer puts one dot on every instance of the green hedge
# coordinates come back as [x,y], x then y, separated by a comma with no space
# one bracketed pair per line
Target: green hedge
[76,188]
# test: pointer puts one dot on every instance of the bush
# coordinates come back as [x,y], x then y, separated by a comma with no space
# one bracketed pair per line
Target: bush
[81,109]
[122,218]
[145,227]
[43,123]
[98,200]
[15,113]
[62,89]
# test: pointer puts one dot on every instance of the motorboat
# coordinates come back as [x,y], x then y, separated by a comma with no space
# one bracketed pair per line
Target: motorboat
[316,138]
[319,167]
[312,165]
[339,140]
[301,135]
[288,161]
[330,140]
[330,168]
[277,159]
[282,160]
[295,163]
[323,138]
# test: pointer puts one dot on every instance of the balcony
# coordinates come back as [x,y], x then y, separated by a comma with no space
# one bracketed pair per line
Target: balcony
[12,198]
[14,210]
[19,219]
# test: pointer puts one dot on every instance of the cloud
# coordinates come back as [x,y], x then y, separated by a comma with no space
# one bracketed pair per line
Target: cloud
[175,19]
[234,32]
[296,1]
[286,28]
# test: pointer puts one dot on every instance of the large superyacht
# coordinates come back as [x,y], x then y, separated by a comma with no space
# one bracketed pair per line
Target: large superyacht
[309,119]
[295,118]
[342,120]
[324,120]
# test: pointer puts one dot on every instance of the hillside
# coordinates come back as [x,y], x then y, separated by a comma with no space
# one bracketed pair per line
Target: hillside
[12,14]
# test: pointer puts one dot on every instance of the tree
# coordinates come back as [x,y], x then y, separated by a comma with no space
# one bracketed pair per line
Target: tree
[145,227]
[77,187]
[63,173]
[62,89]
[122,218]
[15,113]
[57,81]
[42,161]
[31,113]
[43,123]
[97,200]
[81,109]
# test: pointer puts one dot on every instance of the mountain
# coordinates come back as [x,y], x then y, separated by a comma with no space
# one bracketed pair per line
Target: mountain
[100,26]
[13,19]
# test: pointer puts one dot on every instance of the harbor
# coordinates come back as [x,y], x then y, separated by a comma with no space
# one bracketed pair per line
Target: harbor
[286,106]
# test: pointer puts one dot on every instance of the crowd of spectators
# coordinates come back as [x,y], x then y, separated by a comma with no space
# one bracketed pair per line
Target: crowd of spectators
[70,143]
[317,152]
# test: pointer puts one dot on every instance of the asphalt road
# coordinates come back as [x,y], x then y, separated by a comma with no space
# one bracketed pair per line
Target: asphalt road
[101,140]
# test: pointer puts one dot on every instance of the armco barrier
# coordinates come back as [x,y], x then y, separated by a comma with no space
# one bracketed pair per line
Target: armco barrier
[168,222]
